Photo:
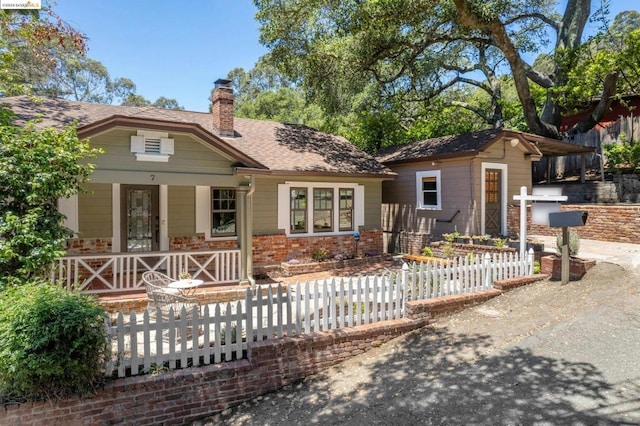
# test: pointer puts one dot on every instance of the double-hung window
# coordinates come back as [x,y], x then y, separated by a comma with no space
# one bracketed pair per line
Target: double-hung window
[323,209]
[223,212]
[313,208]
[298,210]
[428,190]
[346,209]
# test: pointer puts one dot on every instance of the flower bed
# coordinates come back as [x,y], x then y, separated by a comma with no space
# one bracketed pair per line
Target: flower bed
[307,267]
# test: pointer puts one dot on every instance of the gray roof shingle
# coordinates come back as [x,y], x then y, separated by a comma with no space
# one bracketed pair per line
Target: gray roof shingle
[278,146]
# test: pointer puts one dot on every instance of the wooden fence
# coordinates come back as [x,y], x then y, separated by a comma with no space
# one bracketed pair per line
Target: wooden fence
[220,332]
[625,128]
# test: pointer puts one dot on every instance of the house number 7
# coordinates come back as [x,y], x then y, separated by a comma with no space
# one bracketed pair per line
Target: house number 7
[153,177]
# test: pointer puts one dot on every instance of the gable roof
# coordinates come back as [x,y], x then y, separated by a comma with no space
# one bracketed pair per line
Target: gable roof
[471,144]
[258,146]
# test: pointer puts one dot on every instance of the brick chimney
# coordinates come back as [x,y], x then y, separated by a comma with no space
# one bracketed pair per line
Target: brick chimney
[222,107]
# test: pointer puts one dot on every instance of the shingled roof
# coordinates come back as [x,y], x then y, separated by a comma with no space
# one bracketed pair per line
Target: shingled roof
[265,146]
[470,144]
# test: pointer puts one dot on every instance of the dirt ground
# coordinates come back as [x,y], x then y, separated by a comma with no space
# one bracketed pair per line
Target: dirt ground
[546,354]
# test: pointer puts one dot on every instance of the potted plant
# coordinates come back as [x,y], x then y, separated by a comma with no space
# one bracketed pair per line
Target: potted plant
[552,264]
[184,276]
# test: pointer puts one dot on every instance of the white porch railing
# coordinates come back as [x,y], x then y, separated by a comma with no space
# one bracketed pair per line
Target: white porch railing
[109,273]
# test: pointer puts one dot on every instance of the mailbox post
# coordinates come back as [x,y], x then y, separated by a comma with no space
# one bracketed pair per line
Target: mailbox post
[564,220]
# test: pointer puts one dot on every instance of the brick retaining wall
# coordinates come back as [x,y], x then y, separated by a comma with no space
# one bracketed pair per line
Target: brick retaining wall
[616,223]
[182,396]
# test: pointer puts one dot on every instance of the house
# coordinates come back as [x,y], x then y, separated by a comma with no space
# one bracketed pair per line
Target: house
[462,183]
[211,193]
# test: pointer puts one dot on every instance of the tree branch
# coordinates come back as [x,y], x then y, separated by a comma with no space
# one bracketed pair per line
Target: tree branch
[538,78]
[553,24]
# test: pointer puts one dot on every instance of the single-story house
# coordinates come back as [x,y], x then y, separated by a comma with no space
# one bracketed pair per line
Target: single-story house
[462,183]
[242,194]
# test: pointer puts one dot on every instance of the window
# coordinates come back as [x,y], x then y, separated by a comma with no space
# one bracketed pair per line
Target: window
[428,188]
[346,209]
[298,210]
[322,209]
[223,212]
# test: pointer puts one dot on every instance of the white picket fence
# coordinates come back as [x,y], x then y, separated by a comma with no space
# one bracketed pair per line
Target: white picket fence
[465,274]
[220,332]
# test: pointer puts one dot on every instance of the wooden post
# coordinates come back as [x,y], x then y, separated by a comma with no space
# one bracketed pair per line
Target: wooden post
[565,255]
[583,166]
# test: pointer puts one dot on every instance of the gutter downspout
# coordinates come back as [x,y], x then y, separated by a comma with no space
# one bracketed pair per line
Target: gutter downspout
[248,238]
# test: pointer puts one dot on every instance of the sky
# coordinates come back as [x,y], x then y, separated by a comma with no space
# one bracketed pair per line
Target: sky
[177,49]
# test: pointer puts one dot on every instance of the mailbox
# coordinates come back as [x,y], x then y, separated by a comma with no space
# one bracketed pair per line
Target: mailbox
[564,219]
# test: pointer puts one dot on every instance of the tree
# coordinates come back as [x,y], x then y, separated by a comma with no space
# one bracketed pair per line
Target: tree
[37,167]
[420,49]
[29,43]
[167,103]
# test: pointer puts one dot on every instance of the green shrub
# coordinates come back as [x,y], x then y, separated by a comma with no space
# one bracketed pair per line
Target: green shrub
[319,255]
[537,268]
[52,342]
[426,251]
[574,243]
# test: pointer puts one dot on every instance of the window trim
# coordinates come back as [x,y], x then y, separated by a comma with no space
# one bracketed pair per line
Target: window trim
[284,210]
[213,212]
[305,210]
[340,209]
[331,227]
[420,192]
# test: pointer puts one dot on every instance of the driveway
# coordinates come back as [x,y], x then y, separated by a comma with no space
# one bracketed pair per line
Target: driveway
[545,354]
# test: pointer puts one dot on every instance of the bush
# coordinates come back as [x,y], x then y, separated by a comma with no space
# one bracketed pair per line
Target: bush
[574,243]
[426,251]
[319,255]
[52,342]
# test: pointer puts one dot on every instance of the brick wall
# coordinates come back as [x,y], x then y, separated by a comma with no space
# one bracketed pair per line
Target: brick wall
[89,245]
[278,248]
[616,223]
[182,396]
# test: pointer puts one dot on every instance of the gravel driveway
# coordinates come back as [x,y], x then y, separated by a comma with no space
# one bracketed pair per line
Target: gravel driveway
[544,354]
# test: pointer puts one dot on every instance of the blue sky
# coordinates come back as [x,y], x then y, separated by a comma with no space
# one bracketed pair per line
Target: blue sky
[178,49]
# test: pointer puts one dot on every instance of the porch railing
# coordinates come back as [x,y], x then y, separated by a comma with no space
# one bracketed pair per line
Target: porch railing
[109,273]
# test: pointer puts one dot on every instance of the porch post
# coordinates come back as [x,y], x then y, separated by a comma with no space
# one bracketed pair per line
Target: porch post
[244,237]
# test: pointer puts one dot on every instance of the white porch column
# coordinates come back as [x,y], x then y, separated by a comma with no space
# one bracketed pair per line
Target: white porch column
[244,234]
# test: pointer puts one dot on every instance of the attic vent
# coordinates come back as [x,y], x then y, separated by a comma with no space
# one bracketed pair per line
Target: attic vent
[152,146]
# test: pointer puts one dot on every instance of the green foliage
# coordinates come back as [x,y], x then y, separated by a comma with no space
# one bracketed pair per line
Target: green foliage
[36,168]
[426,251]
[625,155]
[499,242]
[574,243]
[537,268]
[319,255]
[52,342]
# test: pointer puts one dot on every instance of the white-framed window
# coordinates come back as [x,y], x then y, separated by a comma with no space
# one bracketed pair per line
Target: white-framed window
[429,190]
[152,146]
[216,212]
[320,208]
[223,212]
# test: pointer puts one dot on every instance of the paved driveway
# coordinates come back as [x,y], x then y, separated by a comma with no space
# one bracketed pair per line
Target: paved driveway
[544,354]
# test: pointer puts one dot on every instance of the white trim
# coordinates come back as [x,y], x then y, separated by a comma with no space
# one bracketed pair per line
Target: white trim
[115,218]
[503,184]
[419,193]
[163,202]
[284,213]
[69,208]
[203,214]
[159,158]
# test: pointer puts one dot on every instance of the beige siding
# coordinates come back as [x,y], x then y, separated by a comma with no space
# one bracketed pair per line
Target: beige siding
[190,155]
[181,211]
[94,211]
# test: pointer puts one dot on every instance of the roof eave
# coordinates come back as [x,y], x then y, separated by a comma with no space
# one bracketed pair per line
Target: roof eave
[307,173]
[195,129]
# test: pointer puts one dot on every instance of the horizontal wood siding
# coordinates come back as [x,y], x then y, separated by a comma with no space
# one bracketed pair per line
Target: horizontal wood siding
[519,167]
[265,206]
[190,155]
[94,211]
[182,211]
[399,200]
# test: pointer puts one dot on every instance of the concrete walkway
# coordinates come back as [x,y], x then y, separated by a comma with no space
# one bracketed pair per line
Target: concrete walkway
[623,254]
